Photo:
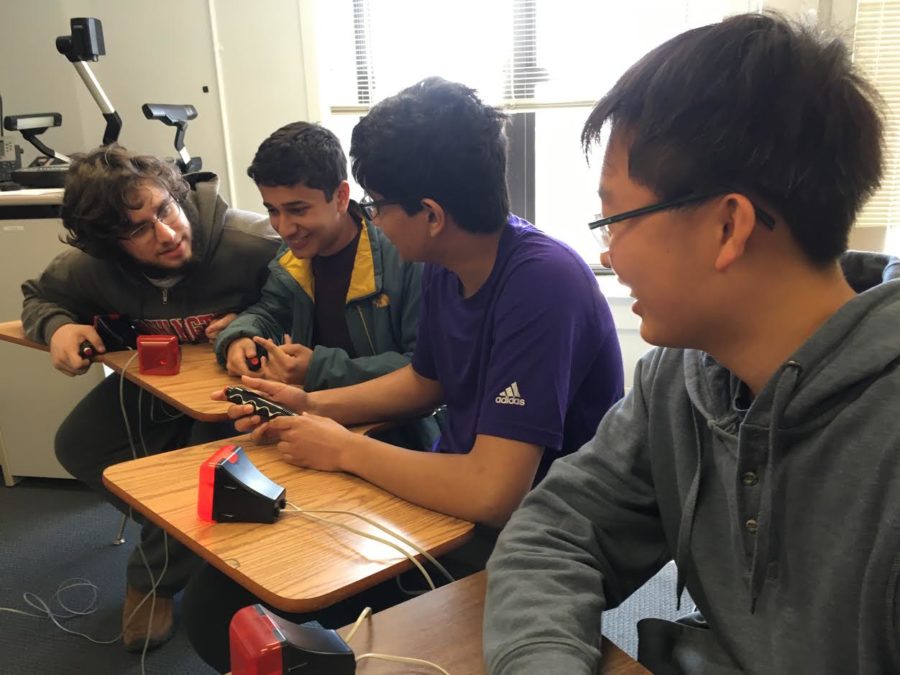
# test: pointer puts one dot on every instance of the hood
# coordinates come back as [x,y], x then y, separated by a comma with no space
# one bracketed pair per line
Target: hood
[851,349]
[205,209]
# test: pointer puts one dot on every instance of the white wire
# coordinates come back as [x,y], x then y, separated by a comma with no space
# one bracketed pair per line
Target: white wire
[373,537]
[386,530]
[401,659]
[365,614]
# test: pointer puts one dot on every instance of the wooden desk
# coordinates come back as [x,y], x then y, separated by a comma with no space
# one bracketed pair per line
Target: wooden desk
[188,391]
[444,627]
[294,564]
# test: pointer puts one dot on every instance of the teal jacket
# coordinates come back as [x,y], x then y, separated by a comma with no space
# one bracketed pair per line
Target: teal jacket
[382,313]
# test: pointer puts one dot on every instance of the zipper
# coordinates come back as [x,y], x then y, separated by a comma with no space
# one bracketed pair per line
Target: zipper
[165,296]
[366,329]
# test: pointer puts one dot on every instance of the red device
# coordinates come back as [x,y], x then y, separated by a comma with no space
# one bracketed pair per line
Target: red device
[233,490]
[158,354]
[263,643]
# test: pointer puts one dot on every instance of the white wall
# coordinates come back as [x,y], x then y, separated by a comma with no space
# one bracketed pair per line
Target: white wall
[162,51]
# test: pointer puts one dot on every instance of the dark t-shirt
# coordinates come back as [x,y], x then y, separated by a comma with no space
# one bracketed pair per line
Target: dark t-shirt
[332,279]
[532,356]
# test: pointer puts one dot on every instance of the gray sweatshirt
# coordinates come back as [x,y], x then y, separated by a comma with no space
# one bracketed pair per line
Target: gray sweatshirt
[782,514]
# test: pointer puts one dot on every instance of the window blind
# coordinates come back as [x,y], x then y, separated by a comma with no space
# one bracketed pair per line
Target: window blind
[519,54]
[876,50]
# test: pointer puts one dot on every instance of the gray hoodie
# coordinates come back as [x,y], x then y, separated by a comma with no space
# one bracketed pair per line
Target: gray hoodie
[783,517]
[232,249]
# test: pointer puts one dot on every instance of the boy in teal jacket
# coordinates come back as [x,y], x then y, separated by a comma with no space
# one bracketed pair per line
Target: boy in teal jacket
[339,306]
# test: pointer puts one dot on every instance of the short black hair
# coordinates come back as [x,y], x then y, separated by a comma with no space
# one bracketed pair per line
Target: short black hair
[102,186]
[759,104]
[436,140]
[300,153]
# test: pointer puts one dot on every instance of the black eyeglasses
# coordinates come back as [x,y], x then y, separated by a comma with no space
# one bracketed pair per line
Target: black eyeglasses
[370,207]
[168,214]
[600,228]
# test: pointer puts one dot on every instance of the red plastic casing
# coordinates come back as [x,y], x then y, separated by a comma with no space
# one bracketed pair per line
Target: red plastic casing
[158,354]
[256,643]
[227,453]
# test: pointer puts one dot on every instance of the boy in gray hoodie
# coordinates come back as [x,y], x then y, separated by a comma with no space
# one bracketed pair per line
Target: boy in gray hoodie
[167,252]
[758,445]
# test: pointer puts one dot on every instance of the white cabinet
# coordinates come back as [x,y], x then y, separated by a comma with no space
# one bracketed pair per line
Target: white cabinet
[34,397]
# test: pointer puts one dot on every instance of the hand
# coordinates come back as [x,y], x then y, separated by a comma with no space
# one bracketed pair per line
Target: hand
[309,441]
[217,326]
[65,343]
[285,363]
[236,357]
[290,397]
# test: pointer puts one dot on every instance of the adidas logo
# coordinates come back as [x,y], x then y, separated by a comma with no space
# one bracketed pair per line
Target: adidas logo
[510,395]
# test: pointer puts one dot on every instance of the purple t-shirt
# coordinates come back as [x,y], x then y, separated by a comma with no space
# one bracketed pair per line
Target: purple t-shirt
[532,356]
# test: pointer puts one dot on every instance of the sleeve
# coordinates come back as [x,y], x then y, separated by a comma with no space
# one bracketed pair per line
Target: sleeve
[269,317]
[544,318]
[332,367]
[55,299]
[586,538]
[423,356]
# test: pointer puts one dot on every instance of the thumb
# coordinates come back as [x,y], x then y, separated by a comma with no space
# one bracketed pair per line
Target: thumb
[267,387]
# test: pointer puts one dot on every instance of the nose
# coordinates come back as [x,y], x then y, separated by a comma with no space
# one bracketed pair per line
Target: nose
[162,231]
[282,224]
[605,261]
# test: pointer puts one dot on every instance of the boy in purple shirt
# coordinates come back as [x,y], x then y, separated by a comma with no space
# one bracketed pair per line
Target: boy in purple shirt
[514,338]
[505,309]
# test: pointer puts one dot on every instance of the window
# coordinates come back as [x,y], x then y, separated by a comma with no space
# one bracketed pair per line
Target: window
[876,49]
[545,61]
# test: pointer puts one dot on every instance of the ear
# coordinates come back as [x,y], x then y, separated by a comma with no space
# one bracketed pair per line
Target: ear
[342,195]
[737,220]
[436,217]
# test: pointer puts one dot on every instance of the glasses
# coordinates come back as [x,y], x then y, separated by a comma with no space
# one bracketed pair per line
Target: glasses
[371,207]
[600,228]
[167,214]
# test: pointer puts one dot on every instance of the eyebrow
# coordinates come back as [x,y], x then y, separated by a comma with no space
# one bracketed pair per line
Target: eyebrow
[299,202]
[163,204]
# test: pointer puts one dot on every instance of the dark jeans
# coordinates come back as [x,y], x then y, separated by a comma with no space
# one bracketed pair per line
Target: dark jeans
[211,599]
[94,436]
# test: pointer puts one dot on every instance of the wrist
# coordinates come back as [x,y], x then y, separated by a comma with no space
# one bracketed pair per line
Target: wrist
[349,451]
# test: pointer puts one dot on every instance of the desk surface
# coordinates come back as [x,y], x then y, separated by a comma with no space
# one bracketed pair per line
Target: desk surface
[444,627]
[29,197]
[295,564]
[187,391]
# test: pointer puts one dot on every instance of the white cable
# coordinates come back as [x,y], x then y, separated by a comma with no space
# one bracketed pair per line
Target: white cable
[373,537]
[366,613]
[402,659]
[386,530]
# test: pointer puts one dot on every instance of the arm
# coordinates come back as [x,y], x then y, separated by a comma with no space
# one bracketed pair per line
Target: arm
[585,538]
[332,367]
[269,317]
[484,485]
[55,299]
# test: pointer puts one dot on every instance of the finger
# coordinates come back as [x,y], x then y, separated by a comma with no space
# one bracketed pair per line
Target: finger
[238,411]
[261,432]
[218,395]
[287,340]
[261,385]
[248,424]
[94,338]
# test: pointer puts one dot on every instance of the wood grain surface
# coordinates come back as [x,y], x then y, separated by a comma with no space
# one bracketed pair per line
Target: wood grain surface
[295,564]
[444,626]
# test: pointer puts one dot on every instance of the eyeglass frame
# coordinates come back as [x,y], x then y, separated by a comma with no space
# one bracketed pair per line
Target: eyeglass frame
[376,204]
[137,232]
[603,223]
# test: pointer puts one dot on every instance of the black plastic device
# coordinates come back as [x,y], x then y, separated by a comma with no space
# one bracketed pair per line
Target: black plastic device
[233,490]
[262,406]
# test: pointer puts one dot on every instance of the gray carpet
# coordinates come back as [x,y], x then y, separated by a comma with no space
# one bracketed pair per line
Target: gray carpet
[52,530]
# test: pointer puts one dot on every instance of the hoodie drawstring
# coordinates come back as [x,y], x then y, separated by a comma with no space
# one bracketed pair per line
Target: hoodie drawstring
[762,550]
